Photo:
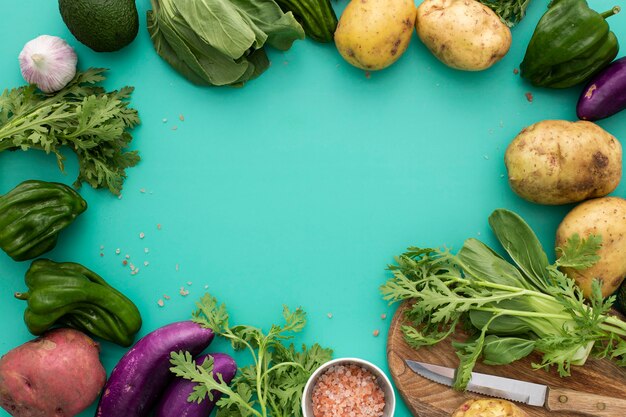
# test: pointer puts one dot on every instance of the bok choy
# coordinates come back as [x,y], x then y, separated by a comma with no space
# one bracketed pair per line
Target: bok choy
[511,308]
[220,42]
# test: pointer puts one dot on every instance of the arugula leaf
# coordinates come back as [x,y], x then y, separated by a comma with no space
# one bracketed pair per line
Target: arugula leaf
[83,117]
[273,383]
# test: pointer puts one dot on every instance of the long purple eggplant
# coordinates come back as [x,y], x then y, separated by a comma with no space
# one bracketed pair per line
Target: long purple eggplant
[605,94]
[173,402]
[143,373]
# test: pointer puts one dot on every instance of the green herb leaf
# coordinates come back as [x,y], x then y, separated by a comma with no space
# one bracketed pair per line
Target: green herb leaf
[579,253]
[505,350]
[274,383]
[510,11]
[82,117]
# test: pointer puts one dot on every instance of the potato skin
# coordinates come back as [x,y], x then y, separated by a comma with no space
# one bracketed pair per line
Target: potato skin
[559,162]
[373,34]
[605,217]
[463,34]
[56,375]
[488,408]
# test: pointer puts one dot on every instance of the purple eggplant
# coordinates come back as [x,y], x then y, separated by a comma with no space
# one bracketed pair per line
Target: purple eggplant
[143,373]
[605,94]
[174,402]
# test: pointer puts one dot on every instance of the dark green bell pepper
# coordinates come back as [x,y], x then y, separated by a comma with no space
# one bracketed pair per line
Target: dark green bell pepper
[68,294]
[33,214]
[570,44]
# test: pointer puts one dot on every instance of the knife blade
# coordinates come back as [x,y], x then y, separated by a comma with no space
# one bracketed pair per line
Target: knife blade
[553,399]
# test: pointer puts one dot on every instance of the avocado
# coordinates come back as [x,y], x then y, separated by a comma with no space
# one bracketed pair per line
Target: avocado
[102,25]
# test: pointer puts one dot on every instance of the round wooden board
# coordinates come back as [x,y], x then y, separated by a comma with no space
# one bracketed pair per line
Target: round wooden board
[429,399]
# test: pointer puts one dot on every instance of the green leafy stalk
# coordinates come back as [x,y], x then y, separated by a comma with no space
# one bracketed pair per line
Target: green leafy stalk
[512,309]
[82,116]
[272,385]
[510,11]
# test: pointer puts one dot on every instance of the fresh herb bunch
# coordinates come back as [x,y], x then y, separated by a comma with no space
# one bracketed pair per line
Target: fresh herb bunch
[82,116]
[510,11]
[510,309]
[273,384]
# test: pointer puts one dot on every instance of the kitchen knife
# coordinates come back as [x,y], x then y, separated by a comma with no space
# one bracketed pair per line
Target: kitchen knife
[553,399]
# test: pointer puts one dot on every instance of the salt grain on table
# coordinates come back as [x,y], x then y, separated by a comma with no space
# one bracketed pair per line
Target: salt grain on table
[347,391]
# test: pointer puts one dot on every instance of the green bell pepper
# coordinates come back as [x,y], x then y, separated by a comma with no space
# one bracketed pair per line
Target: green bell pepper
[68,294]
[570,44]
[33,214]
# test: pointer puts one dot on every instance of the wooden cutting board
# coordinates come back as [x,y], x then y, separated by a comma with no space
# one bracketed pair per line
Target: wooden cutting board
[429,399]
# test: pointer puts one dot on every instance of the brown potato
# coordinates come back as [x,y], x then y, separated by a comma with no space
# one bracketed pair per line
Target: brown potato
[463,34]
[488,408]
[605,217]
[560,162]
[373,34]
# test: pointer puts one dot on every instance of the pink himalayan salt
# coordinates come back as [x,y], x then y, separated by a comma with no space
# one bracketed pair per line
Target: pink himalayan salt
[347,391]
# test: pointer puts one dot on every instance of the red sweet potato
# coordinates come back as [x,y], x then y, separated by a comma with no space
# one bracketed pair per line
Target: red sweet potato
[56,375]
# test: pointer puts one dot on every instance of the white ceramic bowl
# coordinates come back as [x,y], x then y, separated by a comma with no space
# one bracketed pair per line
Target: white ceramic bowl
[381,378]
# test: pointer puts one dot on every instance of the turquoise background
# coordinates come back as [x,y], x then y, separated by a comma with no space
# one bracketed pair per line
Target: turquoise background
[297,189]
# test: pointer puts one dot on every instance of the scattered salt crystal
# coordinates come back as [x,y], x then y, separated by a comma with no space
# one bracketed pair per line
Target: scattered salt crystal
[177,268]
[376,333]
[146,263]
[174,127]
[181,118]
[101,247]
[167,297]
[383,316]
[206,287]
[330,315]
[146,250]
[164,120]
[159,226]
[142,190]
[183,291]
[160,303]
[127,256]
[189,282]
[118,251]
[142,235]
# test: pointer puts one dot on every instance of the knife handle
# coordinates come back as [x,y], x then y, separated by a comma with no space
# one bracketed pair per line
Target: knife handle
[584,403]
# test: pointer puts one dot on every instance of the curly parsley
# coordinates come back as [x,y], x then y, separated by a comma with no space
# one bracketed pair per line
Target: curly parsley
[82,116]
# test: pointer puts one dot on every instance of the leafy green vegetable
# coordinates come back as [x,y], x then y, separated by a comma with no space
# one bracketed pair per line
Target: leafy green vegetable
[510,309]
[510,11]
[82,116]
[220,42]
[273,384]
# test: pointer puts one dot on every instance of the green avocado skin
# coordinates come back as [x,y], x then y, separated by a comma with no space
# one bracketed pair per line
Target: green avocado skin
[102,25]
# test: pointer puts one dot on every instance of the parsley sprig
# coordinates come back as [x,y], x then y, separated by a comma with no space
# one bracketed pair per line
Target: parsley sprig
[82,116]
[511,309]
[272,385]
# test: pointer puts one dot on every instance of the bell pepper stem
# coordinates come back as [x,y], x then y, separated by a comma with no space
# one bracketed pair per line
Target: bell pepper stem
[21,295]
[609,13]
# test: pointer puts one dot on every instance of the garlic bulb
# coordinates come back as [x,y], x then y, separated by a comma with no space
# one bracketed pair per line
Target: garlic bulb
[48,62]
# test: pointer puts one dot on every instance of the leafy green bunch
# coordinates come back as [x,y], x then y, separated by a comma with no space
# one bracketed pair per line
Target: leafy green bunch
[93,123]
[511,309]
[510,11]
[273,384]
[220,42]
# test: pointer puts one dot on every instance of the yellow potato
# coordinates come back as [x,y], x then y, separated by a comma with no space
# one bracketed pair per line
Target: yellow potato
[605,217]
[373,34]
[463,34]
[488,408]
[559,162]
